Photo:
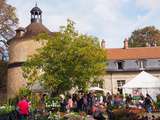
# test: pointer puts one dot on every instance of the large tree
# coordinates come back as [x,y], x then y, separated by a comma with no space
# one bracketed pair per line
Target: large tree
[147,36]
[8,20]
[68,59]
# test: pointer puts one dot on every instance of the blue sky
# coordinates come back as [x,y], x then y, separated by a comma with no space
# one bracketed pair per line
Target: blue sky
[111,20]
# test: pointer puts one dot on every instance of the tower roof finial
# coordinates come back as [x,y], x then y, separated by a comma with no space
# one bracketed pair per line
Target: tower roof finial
[36,4]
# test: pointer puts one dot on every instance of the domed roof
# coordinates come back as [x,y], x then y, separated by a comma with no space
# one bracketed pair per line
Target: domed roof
[36,10]
[34,29]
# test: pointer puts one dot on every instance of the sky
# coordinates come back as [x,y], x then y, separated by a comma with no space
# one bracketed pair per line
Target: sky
[111,20]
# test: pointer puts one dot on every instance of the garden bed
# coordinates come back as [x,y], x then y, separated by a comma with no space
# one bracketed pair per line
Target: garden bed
[132,114]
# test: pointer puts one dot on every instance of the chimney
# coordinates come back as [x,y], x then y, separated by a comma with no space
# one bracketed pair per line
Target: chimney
[19,32]
[147,44]
[126,43]
[103,44]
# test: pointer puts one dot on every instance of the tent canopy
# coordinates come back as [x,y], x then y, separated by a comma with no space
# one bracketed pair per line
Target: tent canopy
[143,80]
[37,87]
[95,89]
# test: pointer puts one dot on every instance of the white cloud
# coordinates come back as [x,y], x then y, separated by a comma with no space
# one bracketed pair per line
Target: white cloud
[148,4]
[102,18]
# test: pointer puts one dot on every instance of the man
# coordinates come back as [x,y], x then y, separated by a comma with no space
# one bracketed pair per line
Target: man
[148,103]
[23,108]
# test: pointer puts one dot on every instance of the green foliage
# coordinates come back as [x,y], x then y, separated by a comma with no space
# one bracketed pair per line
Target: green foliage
[4,110]
[52,102]
[146,36]
[75,116]
[67,59]
[97,81]
[13,101]
[24,91]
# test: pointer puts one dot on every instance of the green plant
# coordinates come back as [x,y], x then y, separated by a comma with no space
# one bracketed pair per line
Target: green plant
[6,109]
[13,101]
[54,116]
[52,102]
[74,116]
[24,91]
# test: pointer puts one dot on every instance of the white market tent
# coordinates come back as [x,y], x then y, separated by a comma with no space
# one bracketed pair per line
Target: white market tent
[144,83]
[98,89]
[37,87]
[95,89]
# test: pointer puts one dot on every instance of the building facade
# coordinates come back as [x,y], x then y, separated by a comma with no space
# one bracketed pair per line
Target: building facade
[125,63]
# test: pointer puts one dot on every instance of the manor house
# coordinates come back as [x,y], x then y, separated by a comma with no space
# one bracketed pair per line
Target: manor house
[123,63]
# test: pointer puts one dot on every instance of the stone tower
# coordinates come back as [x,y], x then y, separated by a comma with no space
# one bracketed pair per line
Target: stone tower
[22,46]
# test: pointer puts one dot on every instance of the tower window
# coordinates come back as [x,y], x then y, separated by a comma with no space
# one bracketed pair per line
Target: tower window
[120,65]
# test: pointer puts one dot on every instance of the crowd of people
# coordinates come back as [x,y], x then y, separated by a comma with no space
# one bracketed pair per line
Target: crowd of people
[93,104]
[82,102]
[146,103]
[97,105]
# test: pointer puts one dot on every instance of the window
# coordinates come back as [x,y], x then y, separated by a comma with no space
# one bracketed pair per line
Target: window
[141,64]
[159,62]
[120,83]
[120,65]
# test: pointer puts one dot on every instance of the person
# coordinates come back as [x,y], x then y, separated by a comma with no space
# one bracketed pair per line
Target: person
[79,103]
[141,101]
[69,104]
[148,103]
[85,103]
[101,100]
[42,99]
[158,102]
[74,99]
[42,103]
[63,104]
[98,112]
[23,108]
[91,102]
[128,100]
[108,98]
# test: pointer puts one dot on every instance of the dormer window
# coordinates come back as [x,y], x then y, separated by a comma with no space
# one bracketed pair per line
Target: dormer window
[120,65]
[141,64]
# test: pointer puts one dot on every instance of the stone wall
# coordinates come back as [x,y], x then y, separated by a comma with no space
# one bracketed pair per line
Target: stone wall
[3,95]
[19,51]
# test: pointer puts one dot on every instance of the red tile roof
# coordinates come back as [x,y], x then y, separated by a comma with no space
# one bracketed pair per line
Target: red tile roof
[133,53]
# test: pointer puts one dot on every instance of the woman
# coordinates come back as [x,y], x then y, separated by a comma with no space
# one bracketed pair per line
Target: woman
[23,108]
[69,104]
